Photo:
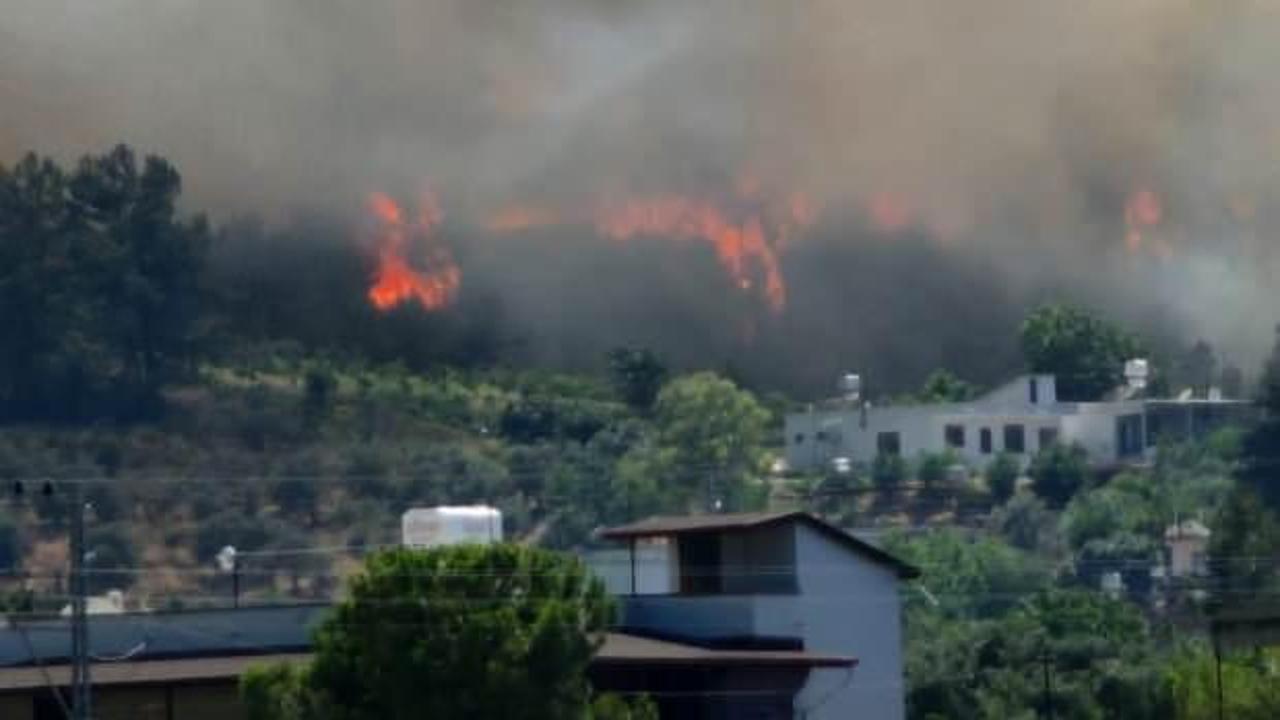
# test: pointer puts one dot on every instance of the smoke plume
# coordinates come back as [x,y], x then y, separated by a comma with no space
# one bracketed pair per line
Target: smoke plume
[988,154]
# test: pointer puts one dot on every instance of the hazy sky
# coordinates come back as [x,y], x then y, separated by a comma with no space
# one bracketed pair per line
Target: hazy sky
[1015,126]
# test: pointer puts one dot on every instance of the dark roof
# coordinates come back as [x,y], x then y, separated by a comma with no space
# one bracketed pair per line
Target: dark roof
[661,526]
[258,630]
[187,670]
[617,649]
[623,649]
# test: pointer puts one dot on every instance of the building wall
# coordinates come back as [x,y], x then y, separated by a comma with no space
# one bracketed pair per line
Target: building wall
[655,568]
[920,430]
[853,432]
[849,607]
[17,707]
[214,701]
[691,616]
[142,703]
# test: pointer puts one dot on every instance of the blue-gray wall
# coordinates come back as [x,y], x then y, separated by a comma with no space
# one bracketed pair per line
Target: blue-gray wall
[849,606]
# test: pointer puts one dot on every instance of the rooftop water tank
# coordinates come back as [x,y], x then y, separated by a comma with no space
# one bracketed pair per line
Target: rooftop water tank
[850,386]
[1136,372]
[436,526]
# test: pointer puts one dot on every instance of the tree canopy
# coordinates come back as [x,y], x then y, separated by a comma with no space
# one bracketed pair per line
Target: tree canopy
[1084,352]
[464,631]
[99,286]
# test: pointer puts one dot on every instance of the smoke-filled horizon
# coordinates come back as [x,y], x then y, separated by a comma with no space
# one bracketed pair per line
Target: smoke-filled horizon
[1117,151]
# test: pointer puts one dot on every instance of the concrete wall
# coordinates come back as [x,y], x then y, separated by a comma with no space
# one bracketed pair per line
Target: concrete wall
[691,616]
[849,607]
[921,429]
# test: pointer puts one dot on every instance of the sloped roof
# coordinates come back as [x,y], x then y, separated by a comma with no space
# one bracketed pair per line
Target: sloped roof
[660,526]
[625,649]
[617,649]
[145,672]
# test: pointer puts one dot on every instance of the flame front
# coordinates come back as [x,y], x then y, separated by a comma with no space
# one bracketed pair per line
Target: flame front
[396,281]
[742,247]
[1143,213]
[747,233]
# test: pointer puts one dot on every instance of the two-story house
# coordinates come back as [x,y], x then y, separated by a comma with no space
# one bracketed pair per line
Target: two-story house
[767,580]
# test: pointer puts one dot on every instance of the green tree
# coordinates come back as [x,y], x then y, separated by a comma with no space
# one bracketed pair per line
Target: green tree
[99,291]
[497,632]
[969,576]
[1261,452]
[1085,353]
[1198,368]
[715,432]
[933,467]
[1246,535]
[888,471]
[1057,472]
[943,386]
[1028,524]
[11,546]
[1002,477]
[637,375]
[1250,684]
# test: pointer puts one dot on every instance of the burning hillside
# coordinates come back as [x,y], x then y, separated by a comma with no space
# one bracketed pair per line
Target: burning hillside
[396,279]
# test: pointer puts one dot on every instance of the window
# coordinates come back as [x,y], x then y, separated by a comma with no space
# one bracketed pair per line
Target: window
[888,443]
[954,435]
[984,440]
[1033,391]
[1129,437]
[1015,439]
[1048,436]
[799,439]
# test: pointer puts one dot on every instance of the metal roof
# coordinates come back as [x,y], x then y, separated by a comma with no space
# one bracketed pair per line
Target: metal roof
[166,635]
[660,526]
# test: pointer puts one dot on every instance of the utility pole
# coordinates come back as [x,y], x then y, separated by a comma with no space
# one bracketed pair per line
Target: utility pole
[1217,664]
[81,684]
[1045,659]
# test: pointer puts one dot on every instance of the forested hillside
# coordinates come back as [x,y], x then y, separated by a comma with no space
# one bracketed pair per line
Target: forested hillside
[213,386]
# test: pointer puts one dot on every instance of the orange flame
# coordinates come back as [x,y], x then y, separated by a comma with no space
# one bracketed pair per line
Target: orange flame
[889,213]
[742,247]
[519,218]
[747,240]
[395,281]
[1143,211]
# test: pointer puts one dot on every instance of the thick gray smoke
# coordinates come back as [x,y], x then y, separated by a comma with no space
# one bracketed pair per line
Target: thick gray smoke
[1006,129]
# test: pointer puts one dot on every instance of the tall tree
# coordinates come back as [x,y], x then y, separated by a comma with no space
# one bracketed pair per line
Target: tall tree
[1246,535]
[98,286]
[714,433]
[637,375]
[465,631]
[1085,353]
[944,386]
[1261,452]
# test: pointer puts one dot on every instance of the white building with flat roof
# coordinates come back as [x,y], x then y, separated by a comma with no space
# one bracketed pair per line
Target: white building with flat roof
[1020,417]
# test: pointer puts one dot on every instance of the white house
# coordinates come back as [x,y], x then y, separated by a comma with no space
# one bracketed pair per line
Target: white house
[784,580]
[1021,417]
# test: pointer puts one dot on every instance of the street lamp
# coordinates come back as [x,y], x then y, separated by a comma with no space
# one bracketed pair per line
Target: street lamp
[226,559]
